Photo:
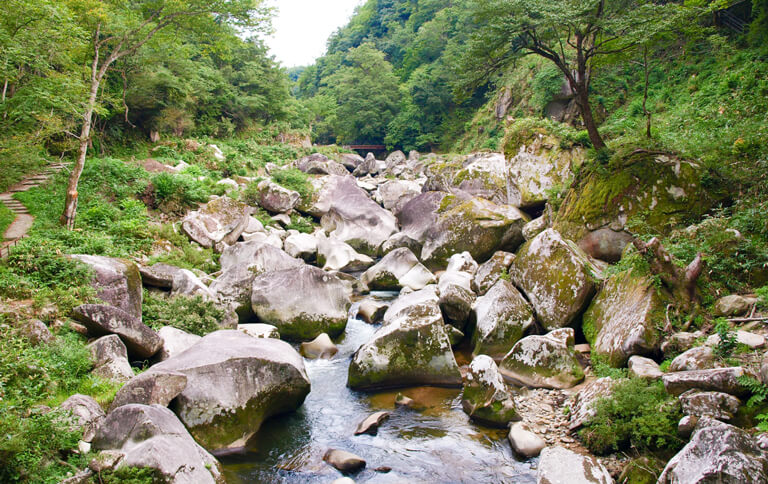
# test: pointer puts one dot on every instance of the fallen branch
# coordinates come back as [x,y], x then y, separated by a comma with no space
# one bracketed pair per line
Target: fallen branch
[748,320]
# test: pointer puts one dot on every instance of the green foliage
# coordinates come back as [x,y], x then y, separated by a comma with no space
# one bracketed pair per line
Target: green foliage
[179,191]
[602,368]
[637,414]
[191,314]
[6,218]
[129,475]
[303,224]
[757,399]
[183,253]
[762,297]
[727,343]
[294,179]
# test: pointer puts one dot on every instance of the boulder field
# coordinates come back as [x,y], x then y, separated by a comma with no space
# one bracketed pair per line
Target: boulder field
[488,295]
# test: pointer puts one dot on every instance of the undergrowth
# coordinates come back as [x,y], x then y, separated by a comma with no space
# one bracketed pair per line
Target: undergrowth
[191,314]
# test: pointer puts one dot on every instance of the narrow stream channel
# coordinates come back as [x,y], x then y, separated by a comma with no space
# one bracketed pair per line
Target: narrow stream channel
[436,444]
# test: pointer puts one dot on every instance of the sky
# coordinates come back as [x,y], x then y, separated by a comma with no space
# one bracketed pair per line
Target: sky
[303,26]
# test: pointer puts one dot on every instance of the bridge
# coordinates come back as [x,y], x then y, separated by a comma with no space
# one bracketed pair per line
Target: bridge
[365,149]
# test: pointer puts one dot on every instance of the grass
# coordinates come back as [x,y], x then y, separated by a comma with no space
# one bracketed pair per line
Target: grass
[190,314]
[6,218]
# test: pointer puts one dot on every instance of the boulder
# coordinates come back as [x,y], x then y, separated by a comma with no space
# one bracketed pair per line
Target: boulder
[152,437]
[462,262]
[259,330]
[276,199]
[240,264]
[557,278]
[483,175]
[110,358]
[622,319]
[547,361]
[301,246]
[411,348]
[394,194]
[151,388]
[175,341]
[535,227]
[476,225]
[676,343]
[371,423]
[733,305]
[559,465]
[752,340]
[395,158]
[117,282]
[187,283]
[344,461]
[318,164]
[369,166]
[717,405]
[420,213]
[217,224]
[582,403]
[486,397]
[502,317]
[158,275]
[302,302]
[350,161]
[456,297]
[234,383]
[401,240]
[321,347]
[396,270]
[491,271]
[83,412]
[698,358]
[421,302]
[372,311]
[36,332]
[640,367]
[524,442]
[336,255]
[140,340]
[724,380]
[717,452]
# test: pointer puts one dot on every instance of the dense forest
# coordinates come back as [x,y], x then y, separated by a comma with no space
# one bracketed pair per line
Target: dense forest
[556,271]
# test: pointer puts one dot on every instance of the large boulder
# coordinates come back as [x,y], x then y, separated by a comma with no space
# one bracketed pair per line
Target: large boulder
[350,161]
[151,388]
[491,271]
[456,296]
[420,214]
[656,190]
[187,283]
[559,465]
[140,339]
[319,164]
[486,397]
[110,358]
[394,194]
[525,442]
[346,212]
[158,275]
[483,175]
[117,282]
[175,341]
[411,348]
[717,453]
[275,198]
[152,437]
[302,302]
[724,380]
[583,402]
[698,358]
[396,270]
[83,412]
[709,404]
[240,264]
[234,383]
[622,319]
[217,224]
[301,246]
[476,225]
[336,255]
[547,361]
[557,278]
[502,317]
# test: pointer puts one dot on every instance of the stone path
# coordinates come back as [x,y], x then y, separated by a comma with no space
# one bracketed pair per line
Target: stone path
[21,225]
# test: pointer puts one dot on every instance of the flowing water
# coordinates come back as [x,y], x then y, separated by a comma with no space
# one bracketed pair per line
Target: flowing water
[435,444]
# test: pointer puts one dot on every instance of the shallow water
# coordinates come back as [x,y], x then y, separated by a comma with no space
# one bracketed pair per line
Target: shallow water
[434,444]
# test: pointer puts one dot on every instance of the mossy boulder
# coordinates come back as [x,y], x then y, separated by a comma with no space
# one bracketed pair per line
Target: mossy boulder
[411,348]
[477,226]
[302,302]
[117,282]
[234,383]
[491,271]
[483,175]
[556,276]
[622,319]
[396,270]
[218,223]
[547,361]
[645,193]
[502,317]
[486,397]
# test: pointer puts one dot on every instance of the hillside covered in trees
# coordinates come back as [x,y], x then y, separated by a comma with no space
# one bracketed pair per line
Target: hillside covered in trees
[556,271]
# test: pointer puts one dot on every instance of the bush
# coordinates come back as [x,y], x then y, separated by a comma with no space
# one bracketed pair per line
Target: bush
[304,225]
[294,179]
[190,314]
[184,254]
[727,342]
[179,190]
[639,415]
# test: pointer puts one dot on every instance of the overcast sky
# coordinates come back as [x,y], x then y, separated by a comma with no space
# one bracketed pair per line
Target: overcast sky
[303,26]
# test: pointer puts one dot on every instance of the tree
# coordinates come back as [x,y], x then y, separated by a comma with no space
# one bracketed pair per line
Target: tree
[573,34]
[118,29]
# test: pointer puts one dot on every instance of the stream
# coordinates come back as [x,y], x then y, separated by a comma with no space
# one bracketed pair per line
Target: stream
[435,444]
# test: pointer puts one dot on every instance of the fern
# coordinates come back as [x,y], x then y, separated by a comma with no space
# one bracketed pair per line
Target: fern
[759,393]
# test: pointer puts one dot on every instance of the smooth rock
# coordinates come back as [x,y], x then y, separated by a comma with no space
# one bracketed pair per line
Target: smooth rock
[524,442]
[276,199]
[117,282]
[372,311]
[547,361]
[83,412]
[558,465]
[151,388]
[334,254]
[158,275]
[398,269]
[111,358]
[456,297]
[140,340]
[234,383]
[321,347]
[491,271]
[582,403]
[259,330]
[217,224]
[717,405]
[502,317]
[724,380]
[486,397]
[175,341]
[371,423]
[36,332]
[733,305]
[344,461]
[187,283]
[698,358]
[301,246]
[640,367]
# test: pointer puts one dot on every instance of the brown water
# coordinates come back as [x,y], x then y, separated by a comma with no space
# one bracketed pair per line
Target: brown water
[434,444]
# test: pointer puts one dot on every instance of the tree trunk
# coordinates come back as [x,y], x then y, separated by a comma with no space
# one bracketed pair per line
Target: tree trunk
[70,202]
[582,99]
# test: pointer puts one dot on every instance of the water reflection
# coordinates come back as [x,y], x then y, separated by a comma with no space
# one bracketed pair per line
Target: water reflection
[436,443]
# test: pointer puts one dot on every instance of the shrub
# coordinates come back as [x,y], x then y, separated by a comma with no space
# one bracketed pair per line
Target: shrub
[727,342]
[184,254]
[638,414]
[294,179]
[191,314]
[305,225]
[179,190]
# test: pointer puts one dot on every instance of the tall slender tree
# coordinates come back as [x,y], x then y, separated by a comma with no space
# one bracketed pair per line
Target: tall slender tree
[119,28]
